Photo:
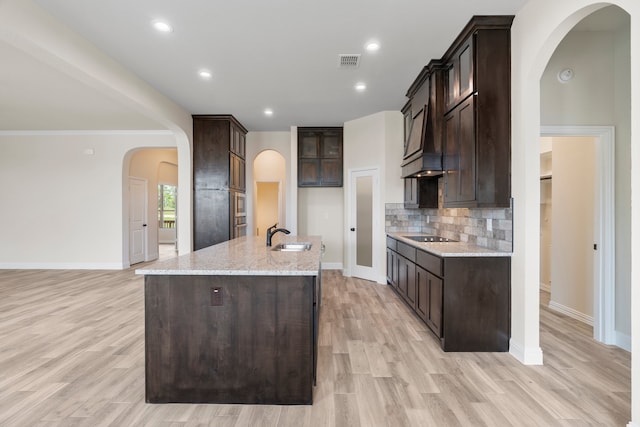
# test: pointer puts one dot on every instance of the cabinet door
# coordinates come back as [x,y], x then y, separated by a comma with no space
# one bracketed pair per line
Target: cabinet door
[235,137]
[411,192]
[331,170]
[309,172]
[242,145]
[422,293]
[434,301]
[411,284]
[464,62]
[460,82]
[235,171]
[403,272]
[331,146]
[467,153]
[460,154]
[391,267]
[451,158]
[309,146]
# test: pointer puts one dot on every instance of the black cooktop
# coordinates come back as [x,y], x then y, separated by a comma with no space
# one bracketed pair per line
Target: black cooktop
[429,239]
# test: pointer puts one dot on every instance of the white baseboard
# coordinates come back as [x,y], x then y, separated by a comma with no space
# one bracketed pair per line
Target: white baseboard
[526,356]
[62,266]
[623,341]
[545,287]
[568,311]
[332,266]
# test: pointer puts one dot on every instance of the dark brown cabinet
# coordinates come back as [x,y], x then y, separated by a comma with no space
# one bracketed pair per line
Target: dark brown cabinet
[258,345]
[320,157]
[460,154]
[219,146]
[477,140]
[429,299]
[460,74]
[420,193]
[464,300]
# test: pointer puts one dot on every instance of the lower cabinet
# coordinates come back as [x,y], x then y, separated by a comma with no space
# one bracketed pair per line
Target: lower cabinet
[464,300]
[429,299]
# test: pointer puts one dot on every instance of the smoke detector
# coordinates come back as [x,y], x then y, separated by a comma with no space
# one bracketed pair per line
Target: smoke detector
[349,60]
[565,75]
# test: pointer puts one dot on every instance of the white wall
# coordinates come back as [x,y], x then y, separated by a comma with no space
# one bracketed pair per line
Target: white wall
[599,94]
[64,207]
[257,142]
[321,213]
[538,28]
[29,29]
[376,141]
[157,166]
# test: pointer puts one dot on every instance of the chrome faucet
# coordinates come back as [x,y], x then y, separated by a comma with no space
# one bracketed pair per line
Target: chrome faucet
[273,230]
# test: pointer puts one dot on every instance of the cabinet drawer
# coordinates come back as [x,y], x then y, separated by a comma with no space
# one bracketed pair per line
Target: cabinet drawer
[391,243]
[429,262]
[407,251]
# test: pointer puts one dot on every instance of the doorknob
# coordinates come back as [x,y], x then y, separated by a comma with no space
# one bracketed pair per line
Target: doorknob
[353,229]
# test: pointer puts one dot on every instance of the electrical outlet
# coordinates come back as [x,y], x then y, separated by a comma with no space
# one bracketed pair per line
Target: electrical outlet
[216,297]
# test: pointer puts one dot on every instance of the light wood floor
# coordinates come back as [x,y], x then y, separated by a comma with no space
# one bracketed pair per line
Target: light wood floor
[71,353]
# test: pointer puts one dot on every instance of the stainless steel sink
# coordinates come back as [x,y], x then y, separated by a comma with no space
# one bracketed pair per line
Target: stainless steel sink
[292,247]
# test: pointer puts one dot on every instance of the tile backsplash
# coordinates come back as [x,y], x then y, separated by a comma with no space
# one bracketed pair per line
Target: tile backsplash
[465,225]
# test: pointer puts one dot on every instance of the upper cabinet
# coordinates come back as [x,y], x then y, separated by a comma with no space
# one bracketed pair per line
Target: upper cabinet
[457,121]
[320,157]
[460,74]
[477,131]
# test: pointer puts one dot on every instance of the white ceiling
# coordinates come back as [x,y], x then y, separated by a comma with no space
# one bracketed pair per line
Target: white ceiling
[280,54]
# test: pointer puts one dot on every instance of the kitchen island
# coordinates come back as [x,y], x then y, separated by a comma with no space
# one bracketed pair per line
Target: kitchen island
[235,322]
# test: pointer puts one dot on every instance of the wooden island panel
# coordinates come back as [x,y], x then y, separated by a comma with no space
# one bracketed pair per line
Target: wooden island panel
[256,347]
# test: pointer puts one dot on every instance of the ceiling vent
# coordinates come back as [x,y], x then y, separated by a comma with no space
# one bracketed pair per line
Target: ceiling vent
[348,60]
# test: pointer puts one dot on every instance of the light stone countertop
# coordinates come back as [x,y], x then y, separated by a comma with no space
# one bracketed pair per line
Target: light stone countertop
[449,249]
[244,256]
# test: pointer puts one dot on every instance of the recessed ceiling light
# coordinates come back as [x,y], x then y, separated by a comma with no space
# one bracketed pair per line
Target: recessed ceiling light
[205,74]
[268,112]
[372,46]
[360,87]
[162,26]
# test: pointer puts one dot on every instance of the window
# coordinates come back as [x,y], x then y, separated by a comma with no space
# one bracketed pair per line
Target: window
[166,206]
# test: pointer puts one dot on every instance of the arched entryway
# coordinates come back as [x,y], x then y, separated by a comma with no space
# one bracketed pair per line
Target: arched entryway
[537,31]
[269,185]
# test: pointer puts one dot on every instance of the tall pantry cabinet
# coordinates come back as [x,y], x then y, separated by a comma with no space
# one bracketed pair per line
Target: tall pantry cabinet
[219,208]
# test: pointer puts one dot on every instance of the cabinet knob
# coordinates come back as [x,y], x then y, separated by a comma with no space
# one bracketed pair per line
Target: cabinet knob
[353,229]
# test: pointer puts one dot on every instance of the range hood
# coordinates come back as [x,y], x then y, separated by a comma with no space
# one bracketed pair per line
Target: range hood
[423,143]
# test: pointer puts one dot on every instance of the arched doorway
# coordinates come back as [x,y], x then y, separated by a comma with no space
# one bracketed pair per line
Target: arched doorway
[538,29]
[269,184]
[157,169]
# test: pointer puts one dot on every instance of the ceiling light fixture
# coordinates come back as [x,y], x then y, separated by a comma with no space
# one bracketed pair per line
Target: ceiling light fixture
[372,46]
[162,26]
[360,87]
[268,112]
[205,74]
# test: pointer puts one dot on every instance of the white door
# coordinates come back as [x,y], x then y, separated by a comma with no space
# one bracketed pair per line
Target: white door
[137,220]
[363,202]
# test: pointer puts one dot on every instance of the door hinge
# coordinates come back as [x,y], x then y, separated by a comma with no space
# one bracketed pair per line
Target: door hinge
[595,246]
